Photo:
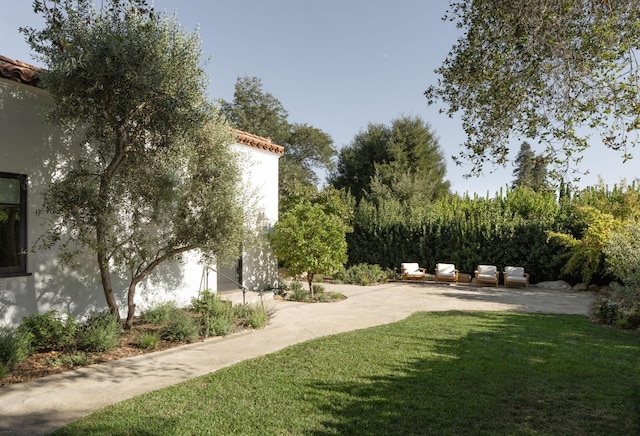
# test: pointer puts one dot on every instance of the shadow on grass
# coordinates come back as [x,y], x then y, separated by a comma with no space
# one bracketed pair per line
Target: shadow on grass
[507,374]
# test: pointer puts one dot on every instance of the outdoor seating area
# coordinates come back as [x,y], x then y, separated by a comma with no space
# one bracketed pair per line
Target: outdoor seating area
[446,272]
[487,274]
[483,275]
[515,275]
[412,271]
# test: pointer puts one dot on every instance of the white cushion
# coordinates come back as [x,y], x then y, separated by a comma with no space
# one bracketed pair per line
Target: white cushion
[446,269]
[516,279]
[410,267]
[514,271]
[487,270]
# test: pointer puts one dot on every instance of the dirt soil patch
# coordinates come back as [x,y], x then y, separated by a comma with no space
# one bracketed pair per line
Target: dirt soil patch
[43,364]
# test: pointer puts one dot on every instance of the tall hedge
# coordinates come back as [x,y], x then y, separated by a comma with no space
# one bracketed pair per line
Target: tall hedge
[508,229]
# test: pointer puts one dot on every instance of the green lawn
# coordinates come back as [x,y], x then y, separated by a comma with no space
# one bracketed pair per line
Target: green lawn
[434,373]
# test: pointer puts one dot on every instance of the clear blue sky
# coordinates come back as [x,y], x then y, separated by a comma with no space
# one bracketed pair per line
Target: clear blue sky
[334,64]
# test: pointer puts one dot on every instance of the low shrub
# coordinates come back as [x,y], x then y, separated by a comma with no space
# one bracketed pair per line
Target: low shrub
[149,341]
[252,316]
[297,292]
[101,332]
[50,331]
[71,360]
[181,328]
[220,325]
[363,274]
[210,304]
[159,314]
[15,346]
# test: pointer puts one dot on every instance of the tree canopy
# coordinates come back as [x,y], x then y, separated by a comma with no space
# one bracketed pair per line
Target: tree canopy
[550,70]
[154,175]
[310,237]
[402,160]
[306,148]
[530,170]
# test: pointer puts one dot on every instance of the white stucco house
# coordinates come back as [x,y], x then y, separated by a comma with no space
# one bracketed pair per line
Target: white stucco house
[33,281]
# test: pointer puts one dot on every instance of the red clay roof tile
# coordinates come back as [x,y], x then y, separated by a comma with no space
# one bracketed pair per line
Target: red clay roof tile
[28,74]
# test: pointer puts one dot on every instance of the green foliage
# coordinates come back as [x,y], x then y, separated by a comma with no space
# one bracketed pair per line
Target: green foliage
[50,331]
[362,274]
[160,313]
[509,229]
[181,328]
[216,315]
[310,238]
[586,256]
[15,346]
[78,358]
[296,292]
[152,174]
[554,71]
[149,341]
[622,251]
[531,170]
[400,162]
[101,332]
[252,316]
[306,148]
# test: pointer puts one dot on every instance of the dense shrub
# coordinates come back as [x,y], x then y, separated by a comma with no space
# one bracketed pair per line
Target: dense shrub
[181,328]
[253,316]
[297,292]
[50,331]
[512,228]
[15,346]
[101,332]
[160,313]
[362,274]
[149,341]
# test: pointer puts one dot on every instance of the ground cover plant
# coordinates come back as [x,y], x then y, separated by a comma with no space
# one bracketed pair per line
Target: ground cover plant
[51,342]
[433,373]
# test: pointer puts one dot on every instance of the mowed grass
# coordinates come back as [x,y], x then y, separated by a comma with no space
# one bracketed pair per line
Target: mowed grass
[433,373]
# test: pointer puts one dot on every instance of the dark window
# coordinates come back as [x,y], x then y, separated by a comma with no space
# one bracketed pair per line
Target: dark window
[13,224]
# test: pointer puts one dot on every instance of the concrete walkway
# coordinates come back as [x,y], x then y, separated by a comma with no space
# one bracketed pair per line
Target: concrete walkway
[48,403]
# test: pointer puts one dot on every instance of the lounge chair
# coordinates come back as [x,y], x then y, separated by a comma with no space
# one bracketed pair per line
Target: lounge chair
[515,275]
[446,272]
[412,271]
[487,274]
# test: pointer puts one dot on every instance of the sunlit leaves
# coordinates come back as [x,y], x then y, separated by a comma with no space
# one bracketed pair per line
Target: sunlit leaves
[548,70]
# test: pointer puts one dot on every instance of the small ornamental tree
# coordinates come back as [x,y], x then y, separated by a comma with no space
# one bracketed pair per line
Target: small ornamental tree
[152,174]
[311,239]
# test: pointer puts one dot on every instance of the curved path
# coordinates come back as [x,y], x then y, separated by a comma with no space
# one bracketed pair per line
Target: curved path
[48,403]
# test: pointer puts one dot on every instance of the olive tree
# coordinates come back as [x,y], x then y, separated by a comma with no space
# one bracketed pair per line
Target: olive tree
[154,175]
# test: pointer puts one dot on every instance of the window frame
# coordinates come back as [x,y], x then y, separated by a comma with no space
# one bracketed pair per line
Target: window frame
[21,268]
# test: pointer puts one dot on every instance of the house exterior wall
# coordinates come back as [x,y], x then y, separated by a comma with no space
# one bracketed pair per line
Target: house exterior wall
[30,146]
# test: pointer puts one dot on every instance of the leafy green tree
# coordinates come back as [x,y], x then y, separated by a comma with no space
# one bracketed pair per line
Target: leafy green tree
[586,256]
[552,70]
[154,176]
[311,236]
[401,161]
[531,170]
[306,149]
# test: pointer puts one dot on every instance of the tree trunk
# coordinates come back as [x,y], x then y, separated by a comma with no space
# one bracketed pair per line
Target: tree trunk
[131,307]
[105,277]
[310,281]
[137,278]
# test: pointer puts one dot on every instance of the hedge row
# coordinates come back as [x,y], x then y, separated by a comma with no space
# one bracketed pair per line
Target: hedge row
[508,229]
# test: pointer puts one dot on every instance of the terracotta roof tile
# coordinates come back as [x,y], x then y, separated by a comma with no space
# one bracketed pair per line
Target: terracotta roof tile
[18,71]
[256,141]
[28,74]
